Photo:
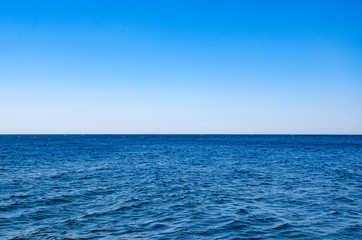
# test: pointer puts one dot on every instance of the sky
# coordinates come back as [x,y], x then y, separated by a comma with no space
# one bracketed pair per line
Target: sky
[180,67]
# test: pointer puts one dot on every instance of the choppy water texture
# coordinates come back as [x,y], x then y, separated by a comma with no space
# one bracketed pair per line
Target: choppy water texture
[180,187]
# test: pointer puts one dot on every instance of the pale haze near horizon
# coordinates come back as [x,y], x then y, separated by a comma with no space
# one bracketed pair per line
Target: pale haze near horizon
[191,67]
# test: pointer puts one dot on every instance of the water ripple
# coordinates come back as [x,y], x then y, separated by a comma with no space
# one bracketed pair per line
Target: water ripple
[180,187]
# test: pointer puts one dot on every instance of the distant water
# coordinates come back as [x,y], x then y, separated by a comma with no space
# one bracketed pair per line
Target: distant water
[180,187]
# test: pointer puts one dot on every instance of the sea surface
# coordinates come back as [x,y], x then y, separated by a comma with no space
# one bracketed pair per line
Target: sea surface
[180,187]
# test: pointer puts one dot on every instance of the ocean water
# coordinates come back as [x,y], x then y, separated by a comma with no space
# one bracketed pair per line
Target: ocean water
[180,187]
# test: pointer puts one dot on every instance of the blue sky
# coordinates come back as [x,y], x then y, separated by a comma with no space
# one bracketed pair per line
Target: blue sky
[181,67]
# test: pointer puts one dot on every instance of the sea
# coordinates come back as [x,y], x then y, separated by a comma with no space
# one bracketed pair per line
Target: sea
[180,187]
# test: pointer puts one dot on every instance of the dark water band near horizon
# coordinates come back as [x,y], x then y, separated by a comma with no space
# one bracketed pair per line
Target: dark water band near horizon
[180,187]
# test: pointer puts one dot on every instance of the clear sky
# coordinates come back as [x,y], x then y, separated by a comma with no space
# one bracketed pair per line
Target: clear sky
[181,66]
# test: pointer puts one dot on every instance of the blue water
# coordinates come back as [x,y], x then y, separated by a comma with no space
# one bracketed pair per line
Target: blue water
[180,187]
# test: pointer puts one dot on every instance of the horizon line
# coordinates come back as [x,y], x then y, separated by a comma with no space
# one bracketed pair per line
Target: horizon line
[300,134]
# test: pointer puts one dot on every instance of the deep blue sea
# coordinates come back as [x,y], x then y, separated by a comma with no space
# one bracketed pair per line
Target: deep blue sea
[180,187]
